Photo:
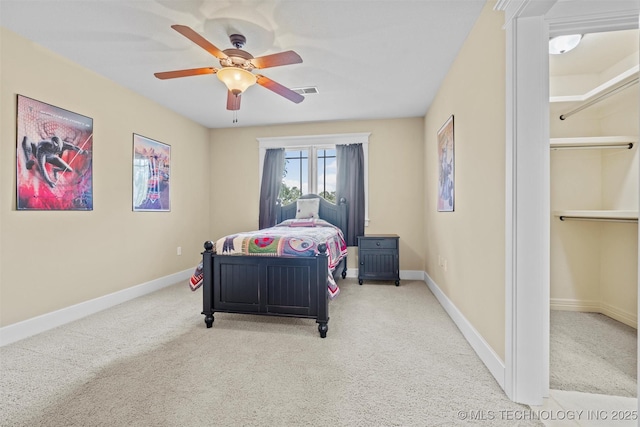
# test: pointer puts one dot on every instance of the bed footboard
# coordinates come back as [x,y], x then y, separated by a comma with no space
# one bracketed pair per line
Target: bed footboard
[274,286]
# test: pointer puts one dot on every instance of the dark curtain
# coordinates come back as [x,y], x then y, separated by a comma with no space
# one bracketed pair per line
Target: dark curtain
[270,189]
[350,185]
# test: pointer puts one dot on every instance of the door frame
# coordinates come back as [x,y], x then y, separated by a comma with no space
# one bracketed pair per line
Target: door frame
[528,25]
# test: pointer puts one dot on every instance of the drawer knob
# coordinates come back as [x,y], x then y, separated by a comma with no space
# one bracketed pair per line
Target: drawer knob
[377,243]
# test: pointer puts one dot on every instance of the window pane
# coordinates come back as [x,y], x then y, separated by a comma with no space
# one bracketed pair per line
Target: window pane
[295,181]
[327,174]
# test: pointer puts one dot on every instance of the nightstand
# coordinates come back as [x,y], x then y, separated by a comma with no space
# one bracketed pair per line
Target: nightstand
[379,257]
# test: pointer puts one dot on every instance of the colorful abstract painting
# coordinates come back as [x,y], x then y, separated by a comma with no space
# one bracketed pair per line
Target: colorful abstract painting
[446,167]
[151,172]
[53,158]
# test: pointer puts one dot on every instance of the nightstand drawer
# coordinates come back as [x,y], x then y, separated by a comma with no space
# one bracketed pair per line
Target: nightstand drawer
[378,243]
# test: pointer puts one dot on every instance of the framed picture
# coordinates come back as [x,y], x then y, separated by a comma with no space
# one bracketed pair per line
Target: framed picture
[53,158]
[151,172]
[446,163]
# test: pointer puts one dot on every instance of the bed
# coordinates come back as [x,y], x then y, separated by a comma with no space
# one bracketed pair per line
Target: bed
[283,283]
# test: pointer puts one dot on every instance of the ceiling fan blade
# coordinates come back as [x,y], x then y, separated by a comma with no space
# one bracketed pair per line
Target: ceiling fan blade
[279,89]
[277,59]
[233,101]
[199,40]
[185,73]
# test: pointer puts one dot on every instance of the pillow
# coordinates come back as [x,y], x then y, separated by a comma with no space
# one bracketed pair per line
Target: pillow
[307,208]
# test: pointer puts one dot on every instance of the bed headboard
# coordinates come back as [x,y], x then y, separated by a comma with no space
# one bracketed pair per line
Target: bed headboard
[335,214]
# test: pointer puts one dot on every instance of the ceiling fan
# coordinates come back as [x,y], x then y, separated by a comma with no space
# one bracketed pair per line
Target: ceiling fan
[237,66]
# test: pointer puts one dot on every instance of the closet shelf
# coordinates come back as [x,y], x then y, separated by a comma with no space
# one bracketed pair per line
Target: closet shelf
[593,142]
[598,215]
[625,77]
[617,84]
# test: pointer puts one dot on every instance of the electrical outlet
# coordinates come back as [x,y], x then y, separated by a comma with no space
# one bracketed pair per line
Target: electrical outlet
[179,250]
[444,265]
[439,260]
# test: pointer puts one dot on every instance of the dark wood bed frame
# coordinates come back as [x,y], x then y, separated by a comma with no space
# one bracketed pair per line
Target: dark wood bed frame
[273,286]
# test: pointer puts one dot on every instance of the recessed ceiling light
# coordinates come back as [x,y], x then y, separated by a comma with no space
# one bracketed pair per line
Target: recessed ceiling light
[563,44]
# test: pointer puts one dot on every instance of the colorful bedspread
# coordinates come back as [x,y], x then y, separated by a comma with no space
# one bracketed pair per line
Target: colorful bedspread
[293,237]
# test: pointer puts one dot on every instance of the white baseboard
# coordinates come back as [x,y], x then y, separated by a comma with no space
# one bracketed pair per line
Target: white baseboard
[565,304]
[620,315]
[484,351]
[609,310]
[45,322]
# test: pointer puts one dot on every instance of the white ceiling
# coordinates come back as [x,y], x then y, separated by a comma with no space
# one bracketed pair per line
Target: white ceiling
[595,53]
[369,59]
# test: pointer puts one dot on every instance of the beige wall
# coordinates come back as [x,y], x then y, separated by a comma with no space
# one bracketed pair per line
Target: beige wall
[395,179]
[54,259]
[471,239]
[621,189]
[594,265]
[575,249]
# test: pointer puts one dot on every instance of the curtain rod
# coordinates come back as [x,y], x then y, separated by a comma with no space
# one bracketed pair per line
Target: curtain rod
[599,98]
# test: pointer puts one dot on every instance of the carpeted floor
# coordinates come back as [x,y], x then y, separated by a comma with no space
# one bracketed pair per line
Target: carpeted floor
[592,353]
[392,357]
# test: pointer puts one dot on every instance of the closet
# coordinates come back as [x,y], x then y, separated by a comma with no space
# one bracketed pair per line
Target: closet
[594,158]
[594,176]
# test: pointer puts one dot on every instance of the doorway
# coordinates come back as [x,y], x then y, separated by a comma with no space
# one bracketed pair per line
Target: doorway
[594,214]
[528,26]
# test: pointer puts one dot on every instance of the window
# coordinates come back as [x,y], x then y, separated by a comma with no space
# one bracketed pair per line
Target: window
[309,170]
[311,164]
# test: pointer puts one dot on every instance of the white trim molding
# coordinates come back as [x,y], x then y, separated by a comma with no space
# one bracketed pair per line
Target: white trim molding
[484,351]
[565,304]
[586,306]
[306,140]
[526,198]
[595,17]
[522,8]
[21,330]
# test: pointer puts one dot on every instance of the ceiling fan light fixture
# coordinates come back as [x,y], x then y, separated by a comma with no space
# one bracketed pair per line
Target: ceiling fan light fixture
[563,44]
[236,79]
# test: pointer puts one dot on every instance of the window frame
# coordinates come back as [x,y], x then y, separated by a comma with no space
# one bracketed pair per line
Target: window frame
[314,176]
[313,142]
[312,162]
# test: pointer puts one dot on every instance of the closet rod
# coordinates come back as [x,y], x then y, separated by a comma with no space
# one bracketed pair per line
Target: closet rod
[628,145]
[579,218]
[599,98]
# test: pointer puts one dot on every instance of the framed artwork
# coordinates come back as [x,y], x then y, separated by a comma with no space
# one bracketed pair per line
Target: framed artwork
[54,169]
[151,172]
[446,163]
